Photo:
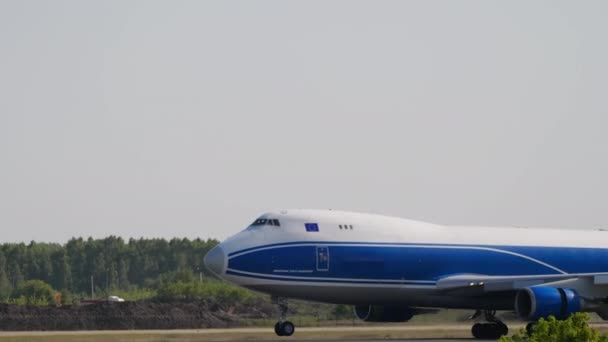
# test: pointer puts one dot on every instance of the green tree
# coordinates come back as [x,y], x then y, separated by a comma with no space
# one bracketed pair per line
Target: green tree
[75,254]
[100,270]
[62,275]
[15,275]
[36,292]
[342,311]
[5,285]
[112,276]
[123,275]
[114,263]
[66,297]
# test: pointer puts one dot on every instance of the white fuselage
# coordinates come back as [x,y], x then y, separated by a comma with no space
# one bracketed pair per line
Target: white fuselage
[354,258]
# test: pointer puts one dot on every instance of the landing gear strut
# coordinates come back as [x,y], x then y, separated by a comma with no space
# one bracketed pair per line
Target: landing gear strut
[494,329]
[283,326]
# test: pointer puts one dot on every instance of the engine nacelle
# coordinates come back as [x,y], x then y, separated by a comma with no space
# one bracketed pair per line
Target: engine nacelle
[533,303]
[378,313]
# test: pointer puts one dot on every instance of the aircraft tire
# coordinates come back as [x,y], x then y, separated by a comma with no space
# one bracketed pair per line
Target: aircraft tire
[489,330]
[277,329]
[504,330]
[287,328]
[478,330]
[530,328]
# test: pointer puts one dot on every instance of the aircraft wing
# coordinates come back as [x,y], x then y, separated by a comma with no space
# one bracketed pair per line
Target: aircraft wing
[484,283]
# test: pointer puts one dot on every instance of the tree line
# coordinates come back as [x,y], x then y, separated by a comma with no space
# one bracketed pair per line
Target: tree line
[112,262]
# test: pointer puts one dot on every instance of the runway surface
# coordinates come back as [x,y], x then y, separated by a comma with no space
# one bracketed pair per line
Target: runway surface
[411,333]
[364,333]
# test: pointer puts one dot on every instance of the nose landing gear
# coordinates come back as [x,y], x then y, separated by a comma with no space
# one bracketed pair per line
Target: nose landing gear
[283,327]
[494,329]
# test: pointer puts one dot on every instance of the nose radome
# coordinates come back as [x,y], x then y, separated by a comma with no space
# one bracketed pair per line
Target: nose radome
[215,259]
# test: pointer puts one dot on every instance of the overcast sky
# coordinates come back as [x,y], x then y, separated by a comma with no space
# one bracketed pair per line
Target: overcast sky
[190,118]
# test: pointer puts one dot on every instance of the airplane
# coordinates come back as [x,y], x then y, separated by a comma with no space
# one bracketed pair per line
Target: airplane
[391,269]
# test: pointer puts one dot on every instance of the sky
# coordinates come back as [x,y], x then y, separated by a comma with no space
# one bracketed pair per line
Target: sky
[191,118]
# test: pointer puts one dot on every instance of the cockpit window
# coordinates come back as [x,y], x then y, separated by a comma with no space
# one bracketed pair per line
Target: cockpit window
[259,222]
[264,222]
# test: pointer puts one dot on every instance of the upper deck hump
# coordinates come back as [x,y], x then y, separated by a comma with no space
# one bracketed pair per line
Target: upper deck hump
[375,227]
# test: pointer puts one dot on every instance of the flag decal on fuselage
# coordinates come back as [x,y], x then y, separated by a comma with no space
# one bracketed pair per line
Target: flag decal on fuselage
[311,227]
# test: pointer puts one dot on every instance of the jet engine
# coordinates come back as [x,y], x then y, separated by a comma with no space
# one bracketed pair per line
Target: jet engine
[379,313]
[533,303]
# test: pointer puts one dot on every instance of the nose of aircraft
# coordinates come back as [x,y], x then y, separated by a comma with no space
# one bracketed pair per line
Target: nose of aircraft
[215,260]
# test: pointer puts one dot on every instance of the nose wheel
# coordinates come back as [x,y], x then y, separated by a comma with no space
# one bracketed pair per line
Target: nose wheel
[493,329]
[283,327]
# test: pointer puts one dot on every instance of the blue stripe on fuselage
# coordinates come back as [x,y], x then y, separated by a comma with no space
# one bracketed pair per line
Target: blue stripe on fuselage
[333,281]
[390,261]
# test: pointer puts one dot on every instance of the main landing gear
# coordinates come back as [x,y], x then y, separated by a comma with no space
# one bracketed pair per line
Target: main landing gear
[283,326]
[493,329]
[530,328]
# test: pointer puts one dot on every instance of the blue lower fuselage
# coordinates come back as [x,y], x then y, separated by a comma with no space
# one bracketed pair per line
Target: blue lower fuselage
[391,263]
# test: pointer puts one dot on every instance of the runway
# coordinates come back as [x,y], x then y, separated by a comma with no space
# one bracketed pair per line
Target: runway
[411,333]
[364,333]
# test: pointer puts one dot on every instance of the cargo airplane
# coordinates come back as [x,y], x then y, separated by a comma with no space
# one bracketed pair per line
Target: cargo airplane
[391,269]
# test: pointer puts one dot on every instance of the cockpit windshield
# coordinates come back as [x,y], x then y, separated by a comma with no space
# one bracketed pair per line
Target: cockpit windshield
[265,222]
